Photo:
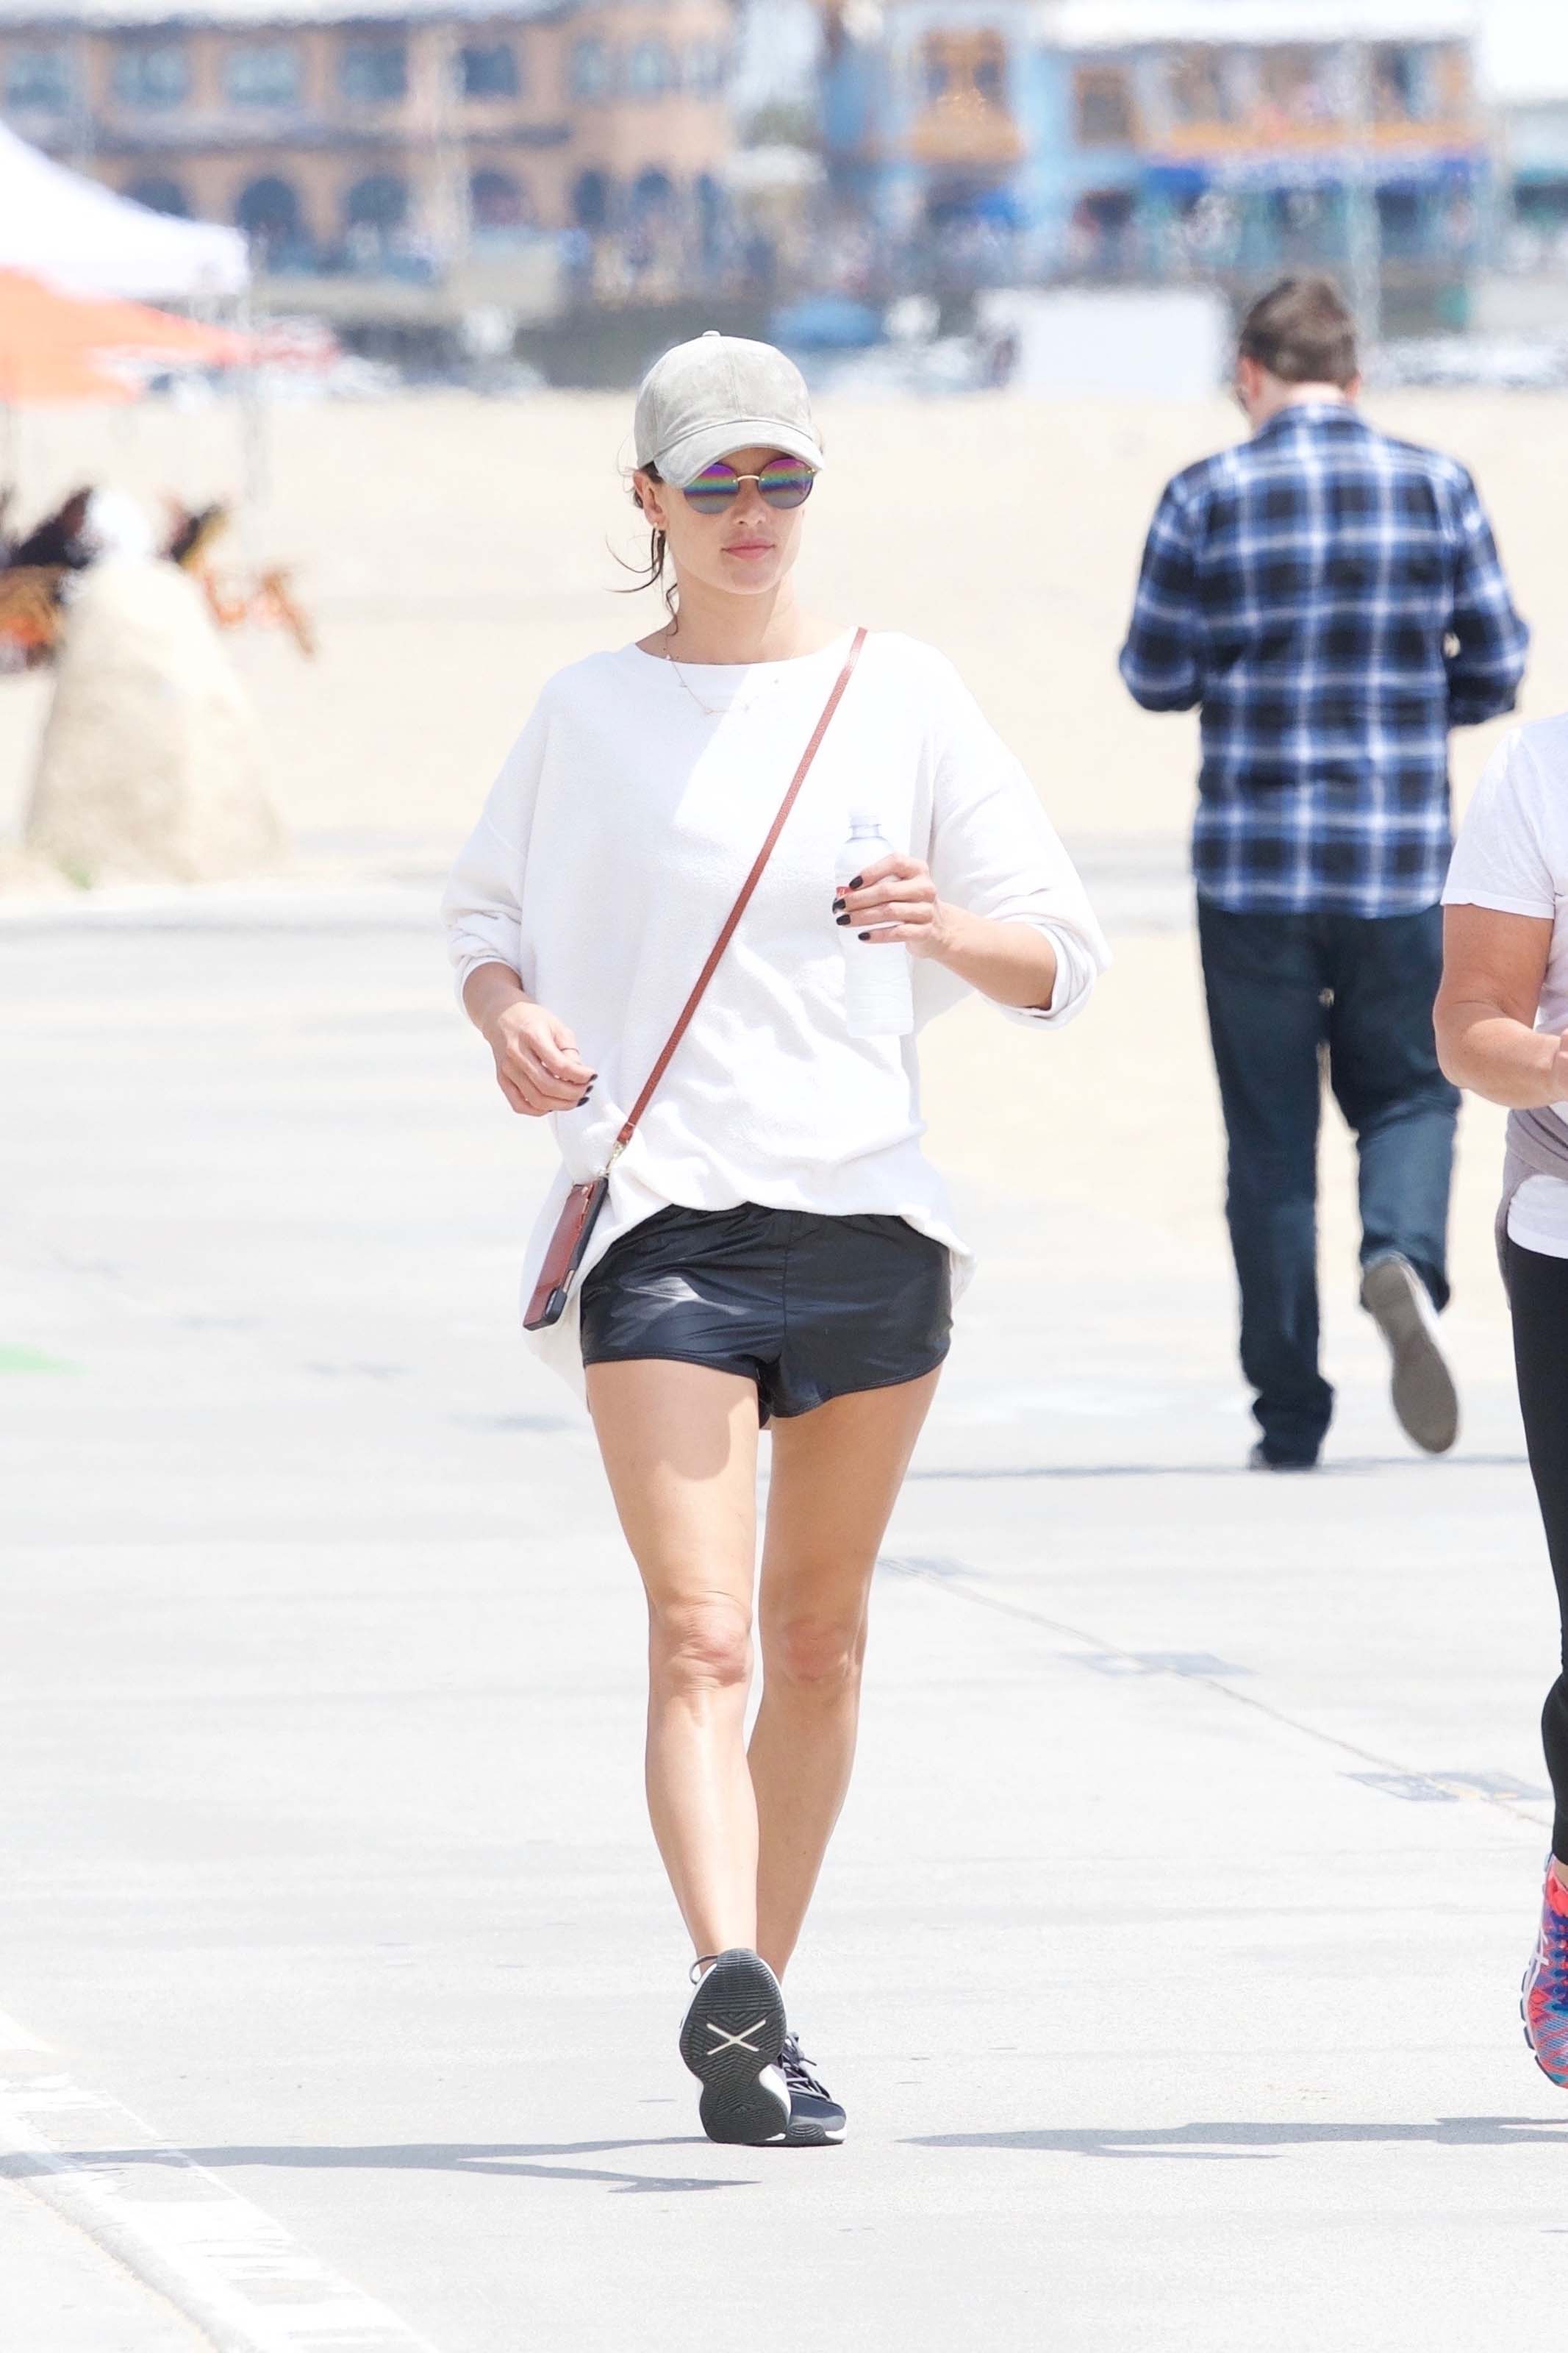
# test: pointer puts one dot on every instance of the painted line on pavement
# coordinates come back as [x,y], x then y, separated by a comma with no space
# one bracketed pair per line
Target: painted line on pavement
[958,1581]
[233,2272]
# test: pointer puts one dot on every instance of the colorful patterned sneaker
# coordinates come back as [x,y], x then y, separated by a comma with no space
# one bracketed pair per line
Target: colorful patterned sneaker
[815,2119]
[731,2039]
[1544,2003]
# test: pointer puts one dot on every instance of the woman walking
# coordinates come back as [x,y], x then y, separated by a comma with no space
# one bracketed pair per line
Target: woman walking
[744,1231]
[1501,1018]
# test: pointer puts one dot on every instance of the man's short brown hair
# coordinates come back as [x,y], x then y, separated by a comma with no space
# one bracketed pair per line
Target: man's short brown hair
[1302,332]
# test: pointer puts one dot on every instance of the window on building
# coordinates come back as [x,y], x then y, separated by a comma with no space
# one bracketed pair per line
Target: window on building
[1304,225]
[1104,222]
[989,68]
[592,69]
[268,210]
[653,194]
[708,68]
[497,201]
[1198,87]
[39,80]
[1453,79]
[1399,88]
[263,73]
[965,67]
[650,69]
[379,201]
[1401,218]
[161,195]
[710,208]
[1103,106]
[1111,209]
[373,73]
[593,200]
[152,74]
[1541,201]
[489,69]
[1301,85]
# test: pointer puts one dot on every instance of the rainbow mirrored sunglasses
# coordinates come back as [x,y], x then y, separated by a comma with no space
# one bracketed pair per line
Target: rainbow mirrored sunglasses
[784,482]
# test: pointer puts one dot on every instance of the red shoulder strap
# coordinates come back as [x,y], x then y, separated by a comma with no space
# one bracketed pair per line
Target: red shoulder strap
[743,901]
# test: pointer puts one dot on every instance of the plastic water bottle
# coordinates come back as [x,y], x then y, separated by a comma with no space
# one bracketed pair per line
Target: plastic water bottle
[878,996]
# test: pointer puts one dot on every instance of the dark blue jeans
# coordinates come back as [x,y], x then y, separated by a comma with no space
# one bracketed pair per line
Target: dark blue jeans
[1289,995]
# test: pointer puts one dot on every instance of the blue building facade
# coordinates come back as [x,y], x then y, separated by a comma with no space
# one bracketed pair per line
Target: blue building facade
[1153,159]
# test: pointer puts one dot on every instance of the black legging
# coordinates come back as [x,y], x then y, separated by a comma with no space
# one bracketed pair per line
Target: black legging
[1539,1289]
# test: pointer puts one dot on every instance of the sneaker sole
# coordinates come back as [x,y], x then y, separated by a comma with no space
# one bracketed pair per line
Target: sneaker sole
[799,2135]
[807,2132]
[731,2039]
[1424,1397]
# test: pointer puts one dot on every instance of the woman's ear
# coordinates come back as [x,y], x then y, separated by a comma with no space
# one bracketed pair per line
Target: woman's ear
[651,496]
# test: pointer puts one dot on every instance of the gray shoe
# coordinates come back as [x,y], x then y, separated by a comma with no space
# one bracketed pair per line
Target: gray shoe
[815,2117]
[1424,1397]
[733,2039]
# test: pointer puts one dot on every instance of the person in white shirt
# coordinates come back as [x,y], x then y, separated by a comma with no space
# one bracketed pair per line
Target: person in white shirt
[774,1246]
[1502,1031]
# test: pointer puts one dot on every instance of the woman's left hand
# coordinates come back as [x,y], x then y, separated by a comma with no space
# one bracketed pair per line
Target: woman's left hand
[895,904]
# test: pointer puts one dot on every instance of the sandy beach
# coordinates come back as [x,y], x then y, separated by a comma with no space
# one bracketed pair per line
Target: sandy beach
[456,551]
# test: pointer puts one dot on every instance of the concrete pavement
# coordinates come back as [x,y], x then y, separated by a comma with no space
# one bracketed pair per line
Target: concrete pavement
[63,2290]
[1167,1958]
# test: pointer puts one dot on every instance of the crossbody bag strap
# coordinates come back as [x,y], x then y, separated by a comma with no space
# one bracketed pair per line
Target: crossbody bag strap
[743,901]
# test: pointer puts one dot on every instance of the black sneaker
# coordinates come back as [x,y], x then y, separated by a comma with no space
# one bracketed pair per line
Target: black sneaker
[731,2039]
[814,2118]
[1261,1460]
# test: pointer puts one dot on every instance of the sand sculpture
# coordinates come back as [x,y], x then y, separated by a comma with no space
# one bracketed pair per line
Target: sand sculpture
[151,762]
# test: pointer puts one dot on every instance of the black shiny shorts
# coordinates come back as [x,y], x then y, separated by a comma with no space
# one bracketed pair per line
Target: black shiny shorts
[808,1307]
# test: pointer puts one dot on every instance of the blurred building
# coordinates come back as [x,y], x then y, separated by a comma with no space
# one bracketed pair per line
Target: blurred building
[1531,116]
[1525,291]
[384,133]
[1133,139]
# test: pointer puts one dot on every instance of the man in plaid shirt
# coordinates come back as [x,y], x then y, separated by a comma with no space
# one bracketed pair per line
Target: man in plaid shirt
[1332,603]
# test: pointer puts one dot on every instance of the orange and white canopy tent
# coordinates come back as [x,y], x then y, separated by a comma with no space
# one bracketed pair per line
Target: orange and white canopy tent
[65,347]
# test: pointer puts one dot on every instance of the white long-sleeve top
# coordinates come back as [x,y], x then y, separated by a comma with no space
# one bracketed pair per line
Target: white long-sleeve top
[611,849]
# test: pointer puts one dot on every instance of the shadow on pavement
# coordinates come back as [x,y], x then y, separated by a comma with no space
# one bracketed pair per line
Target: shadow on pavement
[499,2158]
[1236,2141]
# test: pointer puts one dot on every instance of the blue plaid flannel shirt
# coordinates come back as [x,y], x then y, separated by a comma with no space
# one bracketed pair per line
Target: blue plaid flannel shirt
[1334,602]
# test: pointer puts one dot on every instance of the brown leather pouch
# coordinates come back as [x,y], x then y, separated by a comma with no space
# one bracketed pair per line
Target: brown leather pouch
[569,1242]
[567,1245]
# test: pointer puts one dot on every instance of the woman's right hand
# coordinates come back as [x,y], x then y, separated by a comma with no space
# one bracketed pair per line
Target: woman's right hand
[538,1066]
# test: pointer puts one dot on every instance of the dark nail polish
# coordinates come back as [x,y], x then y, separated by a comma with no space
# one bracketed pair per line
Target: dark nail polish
[838,906]
[865,935]
[841,918]
[860,878]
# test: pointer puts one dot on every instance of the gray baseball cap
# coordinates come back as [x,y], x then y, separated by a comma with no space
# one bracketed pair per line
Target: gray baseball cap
[717,394]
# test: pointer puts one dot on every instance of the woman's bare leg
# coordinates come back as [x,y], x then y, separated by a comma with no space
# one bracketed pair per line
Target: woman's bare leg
[679,1444]
[836,1476]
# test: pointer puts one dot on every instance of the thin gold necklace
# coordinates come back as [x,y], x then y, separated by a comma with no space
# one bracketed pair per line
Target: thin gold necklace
[723,710]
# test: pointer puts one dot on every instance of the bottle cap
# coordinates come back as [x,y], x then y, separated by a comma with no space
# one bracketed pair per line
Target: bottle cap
[864,820]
